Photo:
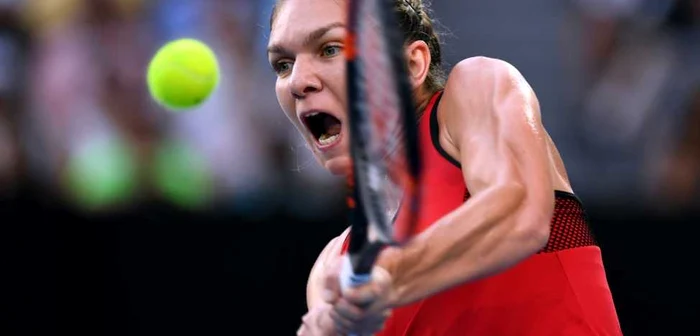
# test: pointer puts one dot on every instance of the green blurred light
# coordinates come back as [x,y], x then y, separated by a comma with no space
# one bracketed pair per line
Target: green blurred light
[182,176]
[101,174]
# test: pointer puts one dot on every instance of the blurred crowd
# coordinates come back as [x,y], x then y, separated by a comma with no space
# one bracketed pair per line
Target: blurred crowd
[77,121]
[619,82]
[641,104]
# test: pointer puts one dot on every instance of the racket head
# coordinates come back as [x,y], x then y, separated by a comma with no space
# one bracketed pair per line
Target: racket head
[383,188]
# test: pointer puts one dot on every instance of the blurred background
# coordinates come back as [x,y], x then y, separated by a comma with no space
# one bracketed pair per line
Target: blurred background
[119,218]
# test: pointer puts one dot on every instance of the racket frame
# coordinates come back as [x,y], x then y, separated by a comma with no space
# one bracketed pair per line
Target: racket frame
[362,253]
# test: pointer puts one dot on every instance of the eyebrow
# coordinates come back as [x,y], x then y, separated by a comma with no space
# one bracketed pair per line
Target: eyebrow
[308,39]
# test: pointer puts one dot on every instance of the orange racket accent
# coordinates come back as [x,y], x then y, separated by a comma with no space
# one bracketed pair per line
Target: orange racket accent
[351,202]
[350,50]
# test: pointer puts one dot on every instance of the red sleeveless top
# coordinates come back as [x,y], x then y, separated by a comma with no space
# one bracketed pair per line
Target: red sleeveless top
[562,290]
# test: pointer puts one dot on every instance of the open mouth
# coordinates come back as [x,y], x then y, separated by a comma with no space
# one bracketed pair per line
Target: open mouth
[324,127]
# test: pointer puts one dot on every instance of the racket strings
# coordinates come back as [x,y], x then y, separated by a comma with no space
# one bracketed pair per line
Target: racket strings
[385,175]
[386,128]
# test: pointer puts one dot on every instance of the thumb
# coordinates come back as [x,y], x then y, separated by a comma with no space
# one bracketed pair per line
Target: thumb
[331,282]
[381,278]
[383,287]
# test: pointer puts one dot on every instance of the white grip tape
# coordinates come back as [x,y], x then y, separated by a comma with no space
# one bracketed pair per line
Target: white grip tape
[348,278]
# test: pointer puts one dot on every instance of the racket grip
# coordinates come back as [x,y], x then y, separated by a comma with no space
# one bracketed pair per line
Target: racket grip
[348,277]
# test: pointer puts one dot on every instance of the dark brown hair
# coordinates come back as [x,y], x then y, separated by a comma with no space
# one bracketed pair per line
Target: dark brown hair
[417,25]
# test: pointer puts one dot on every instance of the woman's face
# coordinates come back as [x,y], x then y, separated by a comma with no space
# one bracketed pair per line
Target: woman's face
[306,51]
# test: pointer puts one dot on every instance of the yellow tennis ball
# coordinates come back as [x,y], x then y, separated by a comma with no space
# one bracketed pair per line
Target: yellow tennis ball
[183,74]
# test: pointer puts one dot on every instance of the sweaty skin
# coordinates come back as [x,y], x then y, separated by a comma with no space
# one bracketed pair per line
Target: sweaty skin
[511,168]
[489,121]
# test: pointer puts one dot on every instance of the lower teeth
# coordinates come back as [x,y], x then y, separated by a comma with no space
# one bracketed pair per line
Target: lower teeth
[327,139]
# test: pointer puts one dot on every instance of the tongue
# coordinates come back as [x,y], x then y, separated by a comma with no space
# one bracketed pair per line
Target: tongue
[330,135]
[332,127]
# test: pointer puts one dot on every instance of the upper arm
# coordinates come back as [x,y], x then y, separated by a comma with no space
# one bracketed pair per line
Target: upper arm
[315,282]
[492,121]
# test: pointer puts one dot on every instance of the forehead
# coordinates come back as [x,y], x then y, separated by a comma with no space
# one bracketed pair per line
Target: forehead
[296,18]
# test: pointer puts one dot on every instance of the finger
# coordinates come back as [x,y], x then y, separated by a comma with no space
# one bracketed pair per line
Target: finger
[355,313]
[348,310]
[325,322]
[371,326]
[341,324]
[305,329]
[302,331]
[375,322]
[351,318]
[386,314]
[362,296]
[381,317]
[374,296]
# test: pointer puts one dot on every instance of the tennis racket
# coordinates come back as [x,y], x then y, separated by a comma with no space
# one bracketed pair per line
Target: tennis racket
[383,187]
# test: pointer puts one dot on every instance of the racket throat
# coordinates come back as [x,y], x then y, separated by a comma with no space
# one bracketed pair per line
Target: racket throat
[363,262]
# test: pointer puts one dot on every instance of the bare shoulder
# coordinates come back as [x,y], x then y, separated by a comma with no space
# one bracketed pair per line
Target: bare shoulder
[479,92]
[480,65]
[484,78]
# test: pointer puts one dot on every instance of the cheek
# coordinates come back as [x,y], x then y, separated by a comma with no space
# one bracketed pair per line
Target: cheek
[285,100]
[287,103]
[336,79]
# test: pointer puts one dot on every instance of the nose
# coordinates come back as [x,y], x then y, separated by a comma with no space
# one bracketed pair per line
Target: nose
[304,79]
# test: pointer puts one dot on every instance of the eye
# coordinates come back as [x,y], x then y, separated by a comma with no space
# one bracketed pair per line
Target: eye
[331,50]
[282,67]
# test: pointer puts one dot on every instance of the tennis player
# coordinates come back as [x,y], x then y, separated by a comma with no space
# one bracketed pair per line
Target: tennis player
[502,248]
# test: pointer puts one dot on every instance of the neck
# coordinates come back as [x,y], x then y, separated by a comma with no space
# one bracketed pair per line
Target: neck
[422,100]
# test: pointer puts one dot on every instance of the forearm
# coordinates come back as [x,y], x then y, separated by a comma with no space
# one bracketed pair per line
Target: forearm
[486,235]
